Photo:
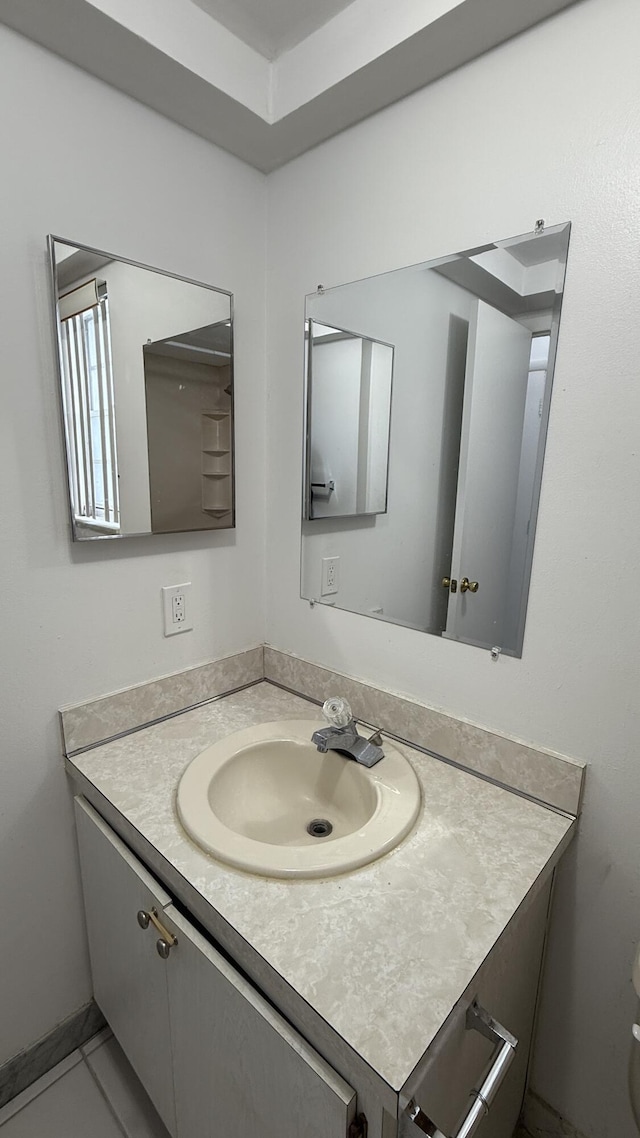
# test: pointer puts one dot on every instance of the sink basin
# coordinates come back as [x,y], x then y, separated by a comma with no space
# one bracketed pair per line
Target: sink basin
[265,800]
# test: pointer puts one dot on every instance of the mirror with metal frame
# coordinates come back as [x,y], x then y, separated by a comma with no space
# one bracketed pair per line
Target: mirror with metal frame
[346,472]
[145,362]
[474,338]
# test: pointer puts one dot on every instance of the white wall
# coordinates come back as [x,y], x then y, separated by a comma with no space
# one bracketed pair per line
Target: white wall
[79,621]
[481,155]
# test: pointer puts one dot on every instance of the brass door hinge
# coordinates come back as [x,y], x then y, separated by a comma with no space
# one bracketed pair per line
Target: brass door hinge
[359,1127]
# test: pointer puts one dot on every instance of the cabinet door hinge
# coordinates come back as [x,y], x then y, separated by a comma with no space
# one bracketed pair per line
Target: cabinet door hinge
[359,1127]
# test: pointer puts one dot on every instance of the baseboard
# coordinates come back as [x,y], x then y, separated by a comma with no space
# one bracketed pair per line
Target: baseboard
[539,1120]
[24,1068]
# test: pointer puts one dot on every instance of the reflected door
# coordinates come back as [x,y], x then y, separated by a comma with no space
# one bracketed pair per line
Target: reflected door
[497,371]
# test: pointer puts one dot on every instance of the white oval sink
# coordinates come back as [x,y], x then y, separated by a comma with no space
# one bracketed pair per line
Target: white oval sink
[261,800]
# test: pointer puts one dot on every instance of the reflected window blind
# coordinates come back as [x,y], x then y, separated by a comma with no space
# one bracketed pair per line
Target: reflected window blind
[85,349]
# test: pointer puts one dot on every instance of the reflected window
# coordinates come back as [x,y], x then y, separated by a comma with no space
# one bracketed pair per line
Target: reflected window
[85,351]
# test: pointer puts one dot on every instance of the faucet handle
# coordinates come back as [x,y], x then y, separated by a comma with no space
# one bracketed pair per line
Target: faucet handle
[337,711]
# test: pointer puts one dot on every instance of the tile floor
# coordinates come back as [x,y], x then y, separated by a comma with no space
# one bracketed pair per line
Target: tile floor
[93,1093]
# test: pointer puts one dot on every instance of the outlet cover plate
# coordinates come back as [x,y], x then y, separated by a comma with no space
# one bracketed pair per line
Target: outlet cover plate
[330,576]
[176,608]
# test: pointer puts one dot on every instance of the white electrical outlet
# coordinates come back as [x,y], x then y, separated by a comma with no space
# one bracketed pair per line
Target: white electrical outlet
[176,608]
[330,576]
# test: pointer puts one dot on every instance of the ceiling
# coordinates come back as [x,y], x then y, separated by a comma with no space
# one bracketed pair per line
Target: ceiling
[269,79]
[544,247]
[272,26]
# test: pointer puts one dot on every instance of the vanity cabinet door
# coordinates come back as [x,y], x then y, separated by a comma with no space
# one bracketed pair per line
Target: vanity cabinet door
[240,1070]
[129,977]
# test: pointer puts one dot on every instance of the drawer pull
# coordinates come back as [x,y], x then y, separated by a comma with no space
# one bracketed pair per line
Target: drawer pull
[477,1020]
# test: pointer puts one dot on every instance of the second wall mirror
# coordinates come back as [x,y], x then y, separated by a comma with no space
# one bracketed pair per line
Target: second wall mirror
[146,382]
[471,342]
[349,380]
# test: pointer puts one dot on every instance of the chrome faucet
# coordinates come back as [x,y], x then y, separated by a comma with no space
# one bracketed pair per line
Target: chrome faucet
[342,735]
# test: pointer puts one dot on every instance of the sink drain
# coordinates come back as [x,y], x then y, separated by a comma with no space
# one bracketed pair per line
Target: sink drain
[319,828]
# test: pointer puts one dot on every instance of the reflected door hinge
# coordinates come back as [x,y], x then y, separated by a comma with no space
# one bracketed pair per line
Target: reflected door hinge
[359,1127]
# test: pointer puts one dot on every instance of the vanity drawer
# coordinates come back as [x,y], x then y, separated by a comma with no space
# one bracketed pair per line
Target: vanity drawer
[506,986]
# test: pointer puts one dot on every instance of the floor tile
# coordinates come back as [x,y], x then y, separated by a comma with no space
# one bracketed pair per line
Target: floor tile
[71,1107]
[126,1095]
[39,1086]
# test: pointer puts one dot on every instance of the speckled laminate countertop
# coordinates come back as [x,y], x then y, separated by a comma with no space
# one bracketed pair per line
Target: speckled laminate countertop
[382,953]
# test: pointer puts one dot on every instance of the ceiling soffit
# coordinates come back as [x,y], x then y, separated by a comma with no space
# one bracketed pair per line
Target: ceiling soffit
[274,27]
[186,65]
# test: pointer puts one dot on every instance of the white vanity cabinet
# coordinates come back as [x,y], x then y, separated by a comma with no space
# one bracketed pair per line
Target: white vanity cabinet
[219,1061]
[214,1056]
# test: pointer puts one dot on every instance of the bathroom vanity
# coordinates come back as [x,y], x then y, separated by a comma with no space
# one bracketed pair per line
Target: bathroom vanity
[323,1008]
